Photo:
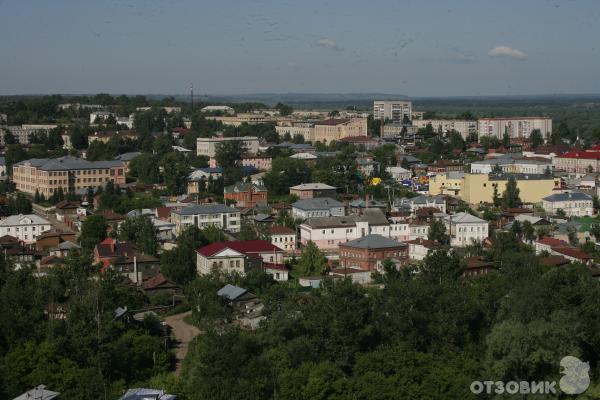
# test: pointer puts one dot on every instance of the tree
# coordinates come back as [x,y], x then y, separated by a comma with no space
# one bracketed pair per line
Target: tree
[572,235]
[79,136]
[229,153]
[536,139]
[528,231]
[510,197]
[496,198]
[284,109]
[93,231]
[311,262]
[142,232]
[145,168]
[437,231]
[286,172]
[516,228]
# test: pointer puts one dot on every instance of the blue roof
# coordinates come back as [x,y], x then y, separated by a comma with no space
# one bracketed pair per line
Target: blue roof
[231,292]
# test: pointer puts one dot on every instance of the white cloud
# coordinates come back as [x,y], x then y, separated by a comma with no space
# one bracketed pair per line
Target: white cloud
[329,44]
[507,51]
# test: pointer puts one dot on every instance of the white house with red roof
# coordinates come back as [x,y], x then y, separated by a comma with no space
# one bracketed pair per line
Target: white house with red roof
[578,162]
[559,247]
[241,256]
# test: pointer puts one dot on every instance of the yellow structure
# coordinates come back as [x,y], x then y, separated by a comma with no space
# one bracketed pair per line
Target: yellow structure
[479,188]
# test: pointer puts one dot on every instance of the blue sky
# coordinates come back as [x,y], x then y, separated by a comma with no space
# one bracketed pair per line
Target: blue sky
[416,48]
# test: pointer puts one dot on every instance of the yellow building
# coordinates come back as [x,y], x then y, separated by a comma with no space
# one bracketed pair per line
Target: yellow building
[479,188]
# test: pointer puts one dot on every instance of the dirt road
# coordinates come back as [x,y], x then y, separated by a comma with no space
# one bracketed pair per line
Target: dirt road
[183,333]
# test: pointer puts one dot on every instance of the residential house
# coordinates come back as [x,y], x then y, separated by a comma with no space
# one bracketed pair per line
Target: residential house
[356,275]
[247,308]
[160,285]
[283,237]
[359,205]
[465,229]
[413,204]
[365,252]
[398,173]
[147,394]
[419,248]
[477,266]
[317,207]
[53,238]
[329,232]
[126,259]
[204,215]
[26,228]
[237,256]
[246,194]
[312,190]
[573,204]
[38,393]
[126,158]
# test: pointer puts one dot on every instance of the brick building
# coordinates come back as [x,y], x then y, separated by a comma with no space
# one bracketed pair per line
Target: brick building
[365,252]
[246,194]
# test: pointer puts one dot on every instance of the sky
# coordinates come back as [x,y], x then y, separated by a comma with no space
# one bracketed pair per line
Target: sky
[415,48]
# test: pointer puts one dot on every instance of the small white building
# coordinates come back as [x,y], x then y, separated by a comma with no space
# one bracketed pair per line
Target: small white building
[574,204]
[283,237]
[204,215]
[100,116]
[399,173]
[464,229]
[26,228]
[419,248]
[317,207]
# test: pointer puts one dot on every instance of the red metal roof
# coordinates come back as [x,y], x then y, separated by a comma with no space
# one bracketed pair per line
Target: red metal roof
[550,241]
[247,247]
[586,155]
[572,252]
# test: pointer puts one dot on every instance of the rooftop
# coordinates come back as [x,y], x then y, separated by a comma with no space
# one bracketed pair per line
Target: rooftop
[313,186]
[373,241]
[195,209]
[318,203]
[67,163]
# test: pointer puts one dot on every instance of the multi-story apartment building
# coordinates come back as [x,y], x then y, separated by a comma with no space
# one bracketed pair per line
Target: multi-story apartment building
[573,204]
[329,232]
[479,188]
[465,229]
[578,162]
[238,256]
[242,118]
[512,164]
[367,251]
[516,127]
[327,130]
[205,215]
[105,136]
[464,127]
[262,163]
[208,146]
[47,175]
[394,110]
[26,228]
[22,133]
[397,130]
[100,116]
[283,237]
[317,207]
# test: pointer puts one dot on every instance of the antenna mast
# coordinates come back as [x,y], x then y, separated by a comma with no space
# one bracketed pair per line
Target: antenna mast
[192,95]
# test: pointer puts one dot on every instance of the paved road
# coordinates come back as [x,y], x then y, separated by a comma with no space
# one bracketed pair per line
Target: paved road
[184,334]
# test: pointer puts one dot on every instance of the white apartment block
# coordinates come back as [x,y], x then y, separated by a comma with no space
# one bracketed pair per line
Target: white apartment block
[23,132]
[465,229]
[574,204]
[511,164]
[26,228]
[100,116]
[393,110]
[205,215]
[327,130]
[464,127]
[328,232]
[516,127]
[208,146]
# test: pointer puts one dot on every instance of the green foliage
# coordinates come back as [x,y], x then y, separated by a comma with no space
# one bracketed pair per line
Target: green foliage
[142,232]
[284,109]
[145,168]
[93,231]
[510,197]
[286,172]
[179,263]
[437,231]
[311,262]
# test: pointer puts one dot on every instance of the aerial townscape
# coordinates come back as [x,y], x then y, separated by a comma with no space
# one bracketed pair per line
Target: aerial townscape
[306,245]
